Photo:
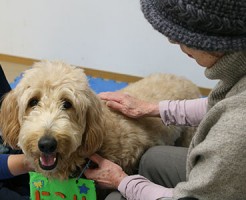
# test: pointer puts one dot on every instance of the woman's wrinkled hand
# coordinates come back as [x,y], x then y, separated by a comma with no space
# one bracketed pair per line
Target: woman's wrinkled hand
[128,105]
[107,174]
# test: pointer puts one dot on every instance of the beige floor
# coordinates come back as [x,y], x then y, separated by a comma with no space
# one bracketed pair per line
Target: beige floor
[12,70]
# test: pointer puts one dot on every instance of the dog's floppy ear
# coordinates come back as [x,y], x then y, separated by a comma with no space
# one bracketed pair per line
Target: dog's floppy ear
[9,123]
[94,130]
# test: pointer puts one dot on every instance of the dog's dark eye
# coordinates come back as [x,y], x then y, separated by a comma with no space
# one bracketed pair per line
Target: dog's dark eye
[66,105]
[33,102]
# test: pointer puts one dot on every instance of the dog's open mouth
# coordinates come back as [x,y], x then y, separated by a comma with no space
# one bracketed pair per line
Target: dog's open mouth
[48,161]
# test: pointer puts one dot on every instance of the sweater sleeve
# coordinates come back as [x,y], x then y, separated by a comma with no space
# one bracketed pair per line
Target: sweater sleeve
[183,112]
[137,187]
[4,170]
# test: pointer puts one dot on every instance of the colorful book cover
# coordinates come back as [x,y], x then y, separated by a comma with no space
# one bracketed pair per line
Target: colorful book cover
[42,188]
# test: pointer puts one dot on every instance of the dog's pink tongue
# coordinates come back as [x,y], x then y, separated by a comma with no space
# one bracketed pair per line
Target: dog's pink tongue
[47,160]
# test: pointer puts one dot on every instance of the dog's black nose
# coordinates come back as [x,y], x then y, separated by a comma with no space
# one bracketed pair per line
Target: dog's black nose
[47,144]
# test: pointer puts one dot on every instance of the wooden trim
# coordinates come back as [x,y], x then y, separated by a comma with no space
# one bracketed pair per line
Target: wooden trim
[17,59]
[91,72]
[111,75]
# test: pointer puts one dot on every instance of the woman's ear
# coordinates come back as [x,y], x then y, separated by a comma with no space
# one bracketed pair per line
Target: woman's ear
[9,124]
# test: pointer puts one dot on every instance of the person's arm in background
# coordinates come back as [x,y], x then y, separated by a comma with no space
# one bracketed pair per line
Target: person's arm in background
[13,165]
[175,112]
[4,169]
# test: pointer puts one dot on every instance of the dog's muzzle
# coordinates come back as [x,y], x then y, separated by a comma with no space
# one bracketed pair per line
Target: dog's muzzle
[49,157]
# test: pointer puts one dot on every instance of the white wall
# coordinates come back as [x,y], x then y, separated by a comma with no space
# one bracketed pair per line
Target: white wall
[109,35]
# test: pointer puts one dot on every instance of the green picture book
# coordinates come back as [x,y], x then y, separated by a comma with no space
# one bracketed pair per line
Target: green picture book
[42,188]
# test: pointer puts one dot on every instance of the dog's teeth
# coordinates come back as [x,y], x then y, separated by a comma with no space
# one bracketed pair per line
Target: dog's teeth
[47,160]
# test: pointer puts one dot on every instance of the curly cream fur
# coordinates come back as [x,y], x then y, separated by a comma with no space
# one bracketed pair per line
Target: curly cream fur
[88,126]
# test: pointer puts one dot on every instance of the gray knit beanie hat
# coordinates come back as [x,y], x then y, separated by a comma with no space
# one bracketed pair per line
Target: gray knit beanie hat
[210,25]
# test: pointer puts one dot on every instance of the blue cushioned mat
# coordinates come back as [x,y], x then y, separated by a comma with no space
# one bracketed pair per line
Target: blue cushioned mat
[97,84]
[102,85]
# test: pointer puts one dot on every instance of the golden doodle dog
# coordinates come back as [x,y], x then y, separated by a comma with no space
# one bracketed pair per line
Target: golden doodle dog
[58,121]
